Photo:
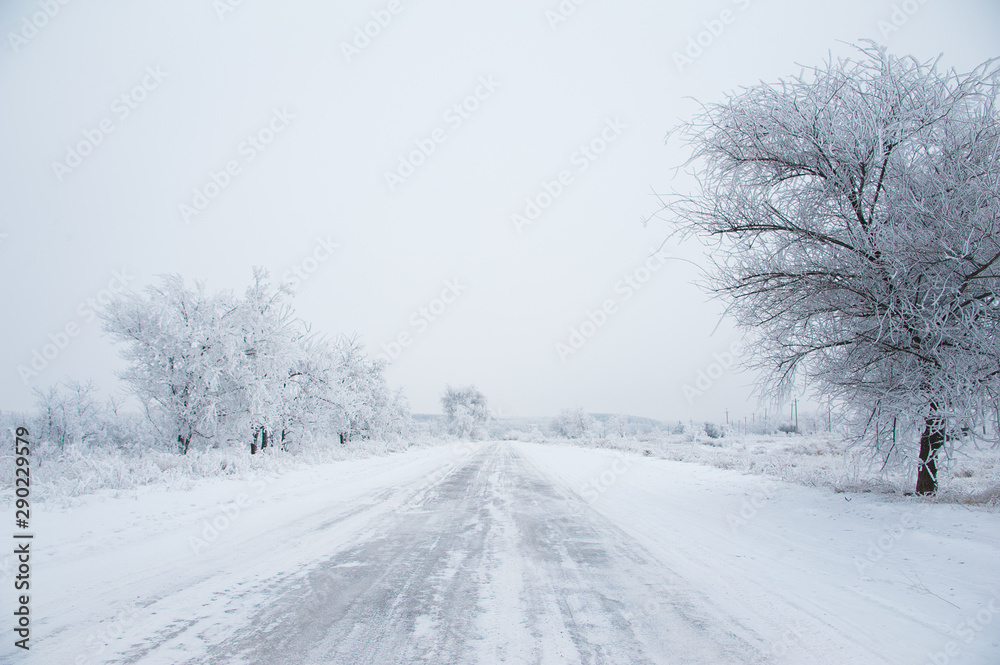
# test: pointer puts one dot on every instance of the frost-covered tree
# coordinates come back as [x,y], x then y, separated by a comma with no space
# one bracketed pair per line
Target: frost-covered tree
[72,414]
[619,426]
[370,409]
[310,392]
[265,342]
[68,414]
[465,412]
[176,350]
[220,368]
[574,423]
[854,216]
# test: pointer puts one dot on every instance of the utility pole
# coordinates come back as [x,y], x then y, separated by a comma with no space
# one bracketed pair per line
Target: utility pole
[727,416]
[795,403]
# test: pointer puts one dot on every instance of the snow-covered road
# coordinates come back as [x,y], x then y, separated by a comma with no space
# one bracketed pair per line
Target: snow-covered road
[515,553]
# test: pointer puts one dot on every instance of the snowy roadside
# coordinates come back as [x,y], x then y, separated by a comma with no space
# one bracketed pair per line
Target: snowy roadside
[971,476]
[811,570]
[65,477]
[99,564]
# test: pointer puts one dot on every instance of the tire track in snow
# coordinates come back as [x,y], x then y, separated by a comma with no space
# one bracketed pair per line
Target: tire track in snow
[491,563]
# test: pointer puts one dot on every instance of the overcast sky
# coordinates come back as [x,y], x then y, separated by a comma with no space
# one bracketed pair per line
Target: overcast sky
[388,168]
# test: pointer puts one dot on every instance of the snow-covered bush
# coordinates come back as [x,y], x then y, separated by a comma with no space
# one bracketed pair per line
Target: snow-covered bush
[713,431]
[465,412]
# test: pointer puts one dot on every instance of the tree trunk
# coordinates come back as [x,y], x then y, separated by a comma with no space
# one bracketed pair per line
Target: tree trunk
[931,441]
[263,438]
[183,443]
[253,441]
[343,438]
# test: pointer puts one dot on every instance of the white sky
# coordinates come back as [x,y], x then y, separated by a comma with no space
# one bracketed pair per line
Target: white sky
[322,176]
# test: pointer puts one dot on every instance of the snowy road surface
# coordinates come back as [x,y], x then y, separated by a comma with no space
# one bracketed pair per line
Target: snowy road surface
[515,553]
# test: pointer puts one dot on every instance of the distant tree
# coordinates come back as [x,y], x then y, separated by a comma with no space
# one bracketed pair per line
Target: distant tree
[465,412]
[619,426]
[71,414]
[573,423]
[68,414]
[855,211]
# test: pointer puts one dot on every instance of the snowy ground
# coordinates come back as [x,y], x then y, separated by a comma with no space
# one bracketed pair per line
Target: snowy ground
[512,552]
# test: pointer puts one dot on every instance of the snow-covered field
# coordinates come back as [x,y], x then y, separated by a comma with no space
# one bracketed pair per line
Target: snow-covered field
[512,552]
[968,475]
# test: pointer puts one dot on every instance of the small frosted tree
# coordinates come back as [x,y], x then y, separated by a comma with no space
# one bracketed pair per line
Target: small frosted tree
[573,424]
[619,426]
[465,412]
[854,216]
[68,414]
